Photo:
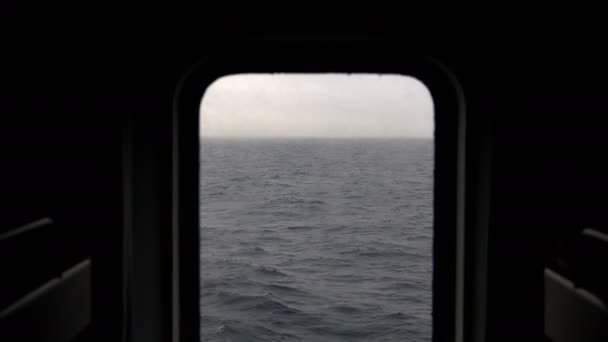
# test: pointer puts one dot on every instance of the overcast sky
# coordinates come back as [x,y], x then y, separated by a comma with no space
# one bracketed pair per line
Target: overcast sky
[317,105]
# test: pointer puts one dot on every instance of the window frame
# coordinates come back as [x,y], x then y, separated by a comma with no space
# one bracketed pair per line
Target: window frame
[450,321]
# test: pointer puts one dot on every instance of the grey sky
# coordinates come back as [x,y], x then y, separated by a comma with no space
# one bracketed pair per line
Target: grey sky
[317,105]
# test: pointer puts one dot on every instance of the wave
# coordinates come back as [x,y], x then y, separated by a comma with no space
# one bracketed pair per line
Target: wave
[301,227]
[350,277]
[398,316]
[363,208]
[253,251]
[346,309]
[267,270]
[214,194]
[240,265]
[271,238]
[337,228]
[324,261]
[259,303]
[417,237]
[234,330]
[239,179]
[380,252]
[293,200]
[400,286]
[284,289]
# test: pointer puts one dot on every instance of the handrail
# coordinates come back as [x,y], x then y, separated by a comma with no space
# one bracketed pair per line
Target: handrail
[26,228]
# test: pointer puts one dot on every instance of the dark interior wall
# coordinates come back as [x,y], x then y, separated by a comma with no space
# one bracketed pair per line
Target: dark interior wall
[82,124]
[61,158]
[544,113]
[547,115]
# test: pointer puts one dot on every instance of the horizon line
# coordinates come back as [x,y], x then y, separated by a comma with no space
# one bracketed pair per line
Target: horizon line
[308,137]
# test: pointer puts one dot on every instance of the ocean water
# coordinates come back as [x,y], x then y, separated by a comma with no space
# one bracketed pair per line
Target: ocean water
[316,239]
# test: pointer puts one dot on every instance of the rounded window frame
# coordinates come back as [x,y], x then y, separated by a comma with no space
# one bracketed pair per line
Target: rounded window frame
[323,57]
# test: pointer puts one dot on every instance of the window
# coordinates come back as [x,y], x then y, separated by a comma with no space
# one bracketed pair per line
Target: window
[451,285]
[316,207]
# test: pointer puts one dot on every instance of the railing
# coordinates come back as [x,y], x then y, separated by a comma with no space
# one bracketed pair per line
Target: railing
[44,296]
[575,309]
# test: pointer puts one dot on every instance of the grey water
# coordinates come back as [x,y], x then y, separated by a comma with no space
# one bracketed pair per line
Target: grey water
[316,239]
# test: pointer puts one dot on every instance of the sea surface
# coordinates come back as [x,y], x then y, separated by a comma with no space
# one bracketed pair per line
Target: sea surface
[316,239]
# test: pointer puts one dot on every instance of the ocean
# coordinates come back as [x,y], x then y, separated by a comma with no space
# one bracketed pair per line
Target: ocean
[316,239]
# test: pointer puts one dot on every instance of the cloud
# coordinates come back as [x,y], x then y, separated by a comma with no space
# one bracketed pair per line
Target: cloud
[317,105]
